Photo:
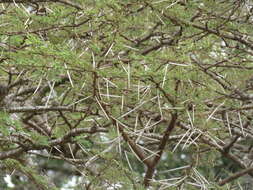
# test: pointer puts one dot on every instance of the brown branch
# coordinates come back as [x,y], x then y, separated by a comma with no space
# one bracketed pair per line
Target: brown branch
[218,33]
[222,150]
[33,109]
[35,127]
[150,171]
[66,138]
[168,97]
[211,74]
[11,153]
[235,176]
[155,47]
[75,132]
[65,120]
[137,150]
[166,42]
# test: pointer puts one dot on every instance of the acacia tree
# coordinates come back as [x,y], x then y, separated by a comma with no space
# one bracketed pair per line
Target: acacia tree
[126,94]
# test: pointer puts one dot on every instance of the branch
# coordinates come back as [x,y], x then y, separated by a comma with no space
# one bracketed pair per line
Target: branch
[137,150]
[75,132]
[33,109]
[235,176]
[150,172]
[219,148]
[66,138]
[65,2]
[211,31]
[11,153]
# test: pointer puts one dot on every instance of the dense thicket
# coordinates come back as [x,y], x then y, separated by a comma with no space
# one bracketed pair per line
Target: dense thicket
[110,94]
